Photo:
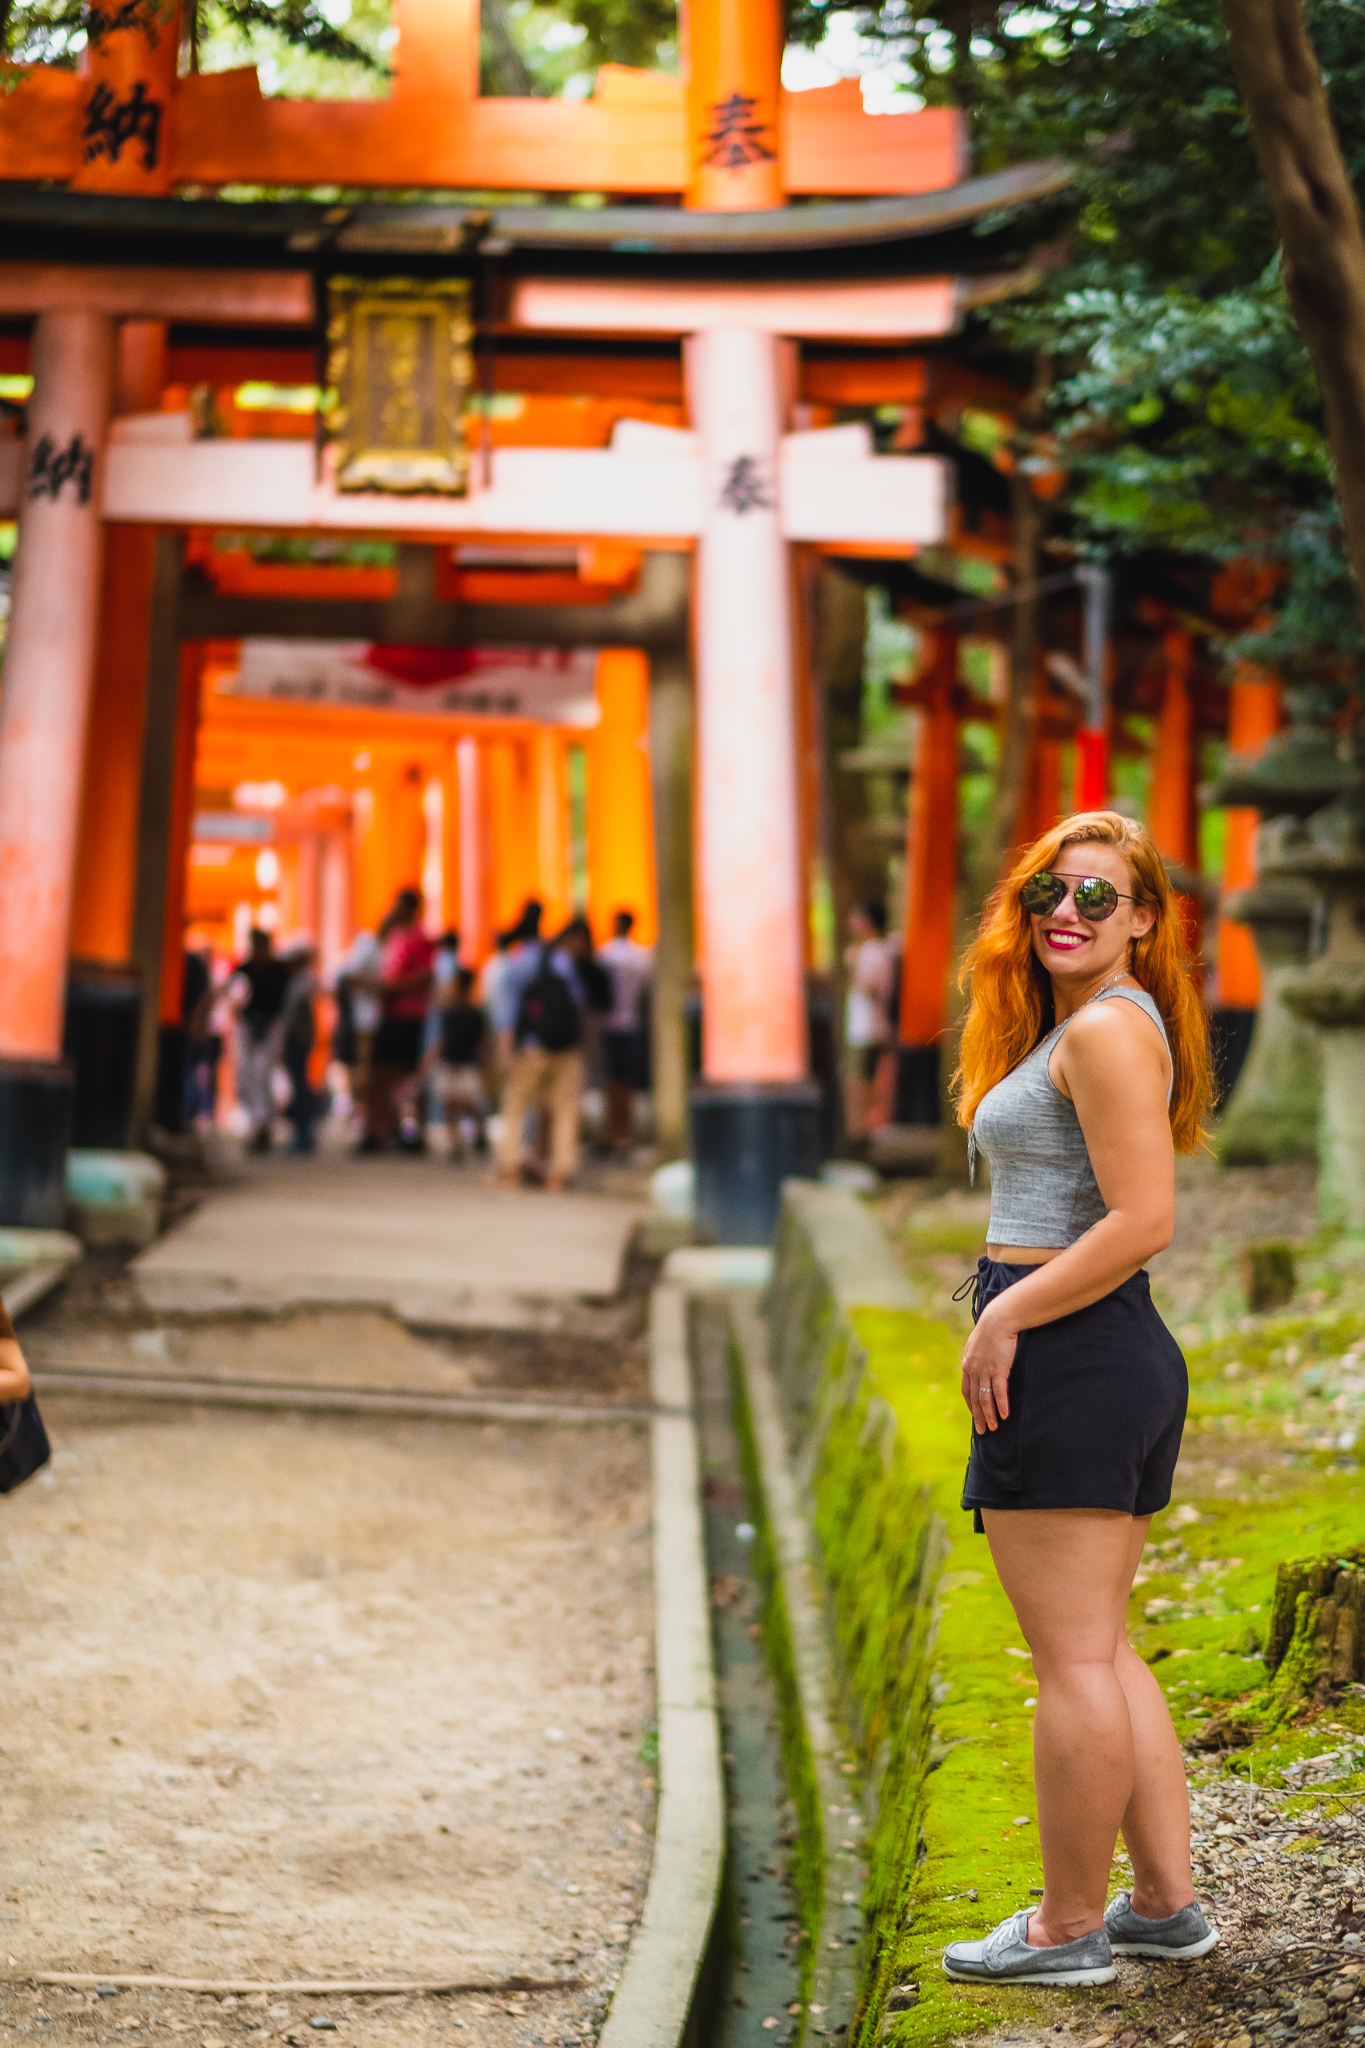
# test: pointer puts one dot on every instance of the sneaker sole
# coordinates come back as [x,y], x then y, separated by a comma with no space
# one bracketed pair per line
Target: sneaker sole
[1066,1978]
[1189,1954]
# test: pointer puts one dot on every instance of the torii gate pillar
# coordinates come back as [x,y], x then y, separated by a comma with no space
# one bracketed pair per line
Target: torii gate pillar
[49,663]
[755,1118]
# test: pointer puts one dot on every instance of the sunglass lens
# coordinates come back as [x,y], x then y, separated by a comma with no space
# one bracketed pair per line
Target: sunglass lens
[1041,893]
[1096,898]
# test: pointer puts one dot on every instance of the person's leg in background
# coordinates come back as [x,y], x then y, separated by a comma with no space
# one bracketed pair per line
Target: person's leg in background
[302,1103]
[255,1067]
[859,1070]
[618,1053]
[520,1095]
[1068,1573]
[566,1093]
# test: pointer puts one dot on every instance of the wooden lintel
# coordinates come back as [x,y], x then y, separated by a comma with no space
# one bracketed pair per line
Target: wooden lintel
[229,298]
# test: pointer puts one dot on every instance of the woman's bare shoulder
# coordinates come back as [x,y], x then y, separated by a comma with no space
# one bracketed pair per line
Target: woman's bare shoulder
[1108,1036]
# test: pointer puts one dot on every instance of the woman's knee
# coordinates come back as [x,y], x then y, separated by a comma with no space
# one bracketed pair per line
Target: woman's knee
[1072,1657]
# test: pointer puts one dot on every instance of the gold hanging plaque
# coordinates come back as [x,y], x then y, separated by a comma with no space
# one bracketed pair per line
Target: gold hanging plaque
[398,357]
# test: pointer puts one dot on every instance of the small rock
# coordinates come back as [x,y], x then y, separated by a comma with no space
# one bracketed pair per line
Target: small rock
[903,1998]
[771,2022]
[322,2024]
[1312,2012]
[1022,1820]
[106,1991]
[1240,2041]
[1343,1993]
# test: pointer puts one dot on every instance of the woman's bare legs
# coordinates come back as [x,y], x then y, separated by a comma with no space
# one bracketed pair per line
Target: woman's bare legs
[1156,1821]
[1105,1755]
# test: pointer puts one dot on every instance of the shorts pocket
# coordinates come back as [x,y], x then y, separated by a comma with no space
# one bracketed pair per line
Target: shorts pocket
[999,1454]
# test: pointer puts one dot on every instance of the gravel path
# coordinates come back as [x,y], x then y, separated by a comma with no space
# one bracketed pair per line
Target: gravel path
[308,1696]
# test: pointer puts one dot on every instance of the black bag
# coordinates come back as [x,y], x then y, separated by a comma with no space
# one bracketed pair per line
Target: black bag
[24,1448]
[548,1012]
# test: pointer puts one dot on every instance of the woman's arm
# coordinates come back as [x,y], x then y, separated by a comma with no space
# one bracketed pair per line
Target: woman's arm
[14,1380]
[1113,1066]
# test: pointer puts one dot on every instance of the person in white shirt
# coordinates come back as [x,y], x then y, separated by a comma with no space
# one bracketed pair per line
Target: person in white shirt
[624,1047]
[867,1011]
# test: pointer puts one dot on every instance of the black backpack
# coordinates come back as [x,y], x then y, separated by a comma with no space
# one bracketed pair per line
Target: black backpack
[548,1012]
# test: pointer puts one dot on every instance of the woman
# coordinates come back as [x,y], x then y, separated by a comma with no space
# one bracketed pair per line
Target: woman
[1084,1067]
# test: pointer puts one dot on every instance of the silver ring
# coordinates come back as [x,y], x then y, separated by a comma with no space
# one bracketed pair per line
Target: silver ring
[983,1390]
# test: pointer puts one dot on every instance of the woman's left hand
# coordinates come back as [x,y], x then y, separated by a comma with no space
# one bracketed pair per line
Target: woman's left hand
[986,1366]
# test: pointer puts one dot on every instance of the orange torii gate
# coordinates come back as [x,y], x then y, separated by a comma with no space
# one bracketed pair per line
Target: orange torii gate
[738,487]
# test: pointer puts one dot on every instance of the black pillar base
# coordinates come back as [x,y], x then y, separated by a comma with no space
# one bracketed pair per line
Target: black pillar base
[917,1096]
[172,1059]
[36,1099]
[103,1005]
[1229,1043]
[747,1138]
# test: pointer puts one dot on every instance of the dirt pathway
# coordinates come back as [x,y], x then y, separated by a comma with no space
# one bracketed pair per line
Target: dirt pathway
[290,1696]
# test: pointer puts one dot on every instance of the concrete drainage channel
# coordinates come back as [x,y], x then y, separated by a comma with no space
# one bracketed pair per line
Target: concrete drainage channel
[781,1954]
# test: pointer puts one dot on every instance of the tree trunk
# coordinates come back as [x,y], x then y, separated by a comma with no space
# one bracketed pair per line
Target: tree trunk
[504,62]
[1028,517]
[1319,224]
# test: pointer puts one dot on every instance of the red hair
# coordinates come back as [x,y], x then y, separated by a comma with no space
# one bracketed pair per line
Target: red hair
[1011,992]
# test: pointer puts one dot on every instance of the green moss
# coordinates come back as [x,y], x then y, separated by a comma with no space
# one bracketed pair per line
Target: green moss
[935,1678]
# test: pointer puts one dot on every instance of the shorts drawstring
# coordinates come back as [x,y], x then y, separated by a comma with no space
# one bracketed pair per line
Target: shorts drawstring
[972,1286]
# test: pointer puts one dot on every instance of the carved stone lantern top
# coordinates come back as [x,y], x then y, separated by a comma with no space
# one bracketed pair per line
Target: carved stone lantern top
[1297,770]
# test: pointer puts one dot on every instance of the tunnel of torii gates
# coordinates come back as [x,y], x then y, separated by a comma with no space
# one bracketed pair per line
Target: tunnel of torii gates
[617,568]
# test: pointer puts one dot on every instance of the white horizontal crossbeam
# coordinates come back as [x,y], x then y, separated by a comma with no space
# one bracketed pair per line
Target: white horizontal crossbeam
[652,494]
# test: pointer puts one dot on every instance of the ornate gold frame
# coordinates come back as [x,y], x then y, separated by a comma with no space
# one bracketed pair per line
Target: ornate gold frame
[398,356]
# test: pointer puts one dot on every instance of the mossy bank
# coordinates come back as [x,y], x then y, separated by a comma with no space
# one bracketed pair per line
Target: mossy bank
[936,1683]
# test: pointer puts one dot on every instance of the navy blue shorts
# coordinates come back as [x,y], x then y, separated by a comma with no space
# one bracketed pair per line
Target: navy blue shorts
[1097,1407]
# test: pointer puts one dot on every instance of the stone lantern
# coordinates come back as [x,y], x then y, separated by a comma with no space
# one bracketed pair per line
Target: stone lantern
[1274,1112]
[1327,851]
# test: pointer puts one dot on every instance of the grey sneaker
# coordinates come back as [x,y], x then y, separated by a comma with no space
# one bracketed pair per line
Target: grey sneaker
[1181,1936]
[1004,1957]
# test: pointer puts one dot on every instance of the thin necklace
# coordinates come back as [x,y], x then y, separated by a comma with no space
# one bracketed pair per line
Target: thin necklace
[1092,999]
[1107,984]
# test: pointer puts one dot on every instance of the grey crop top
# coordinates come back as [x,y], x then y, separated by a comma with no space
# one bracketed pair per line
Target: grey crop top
[1043,1188]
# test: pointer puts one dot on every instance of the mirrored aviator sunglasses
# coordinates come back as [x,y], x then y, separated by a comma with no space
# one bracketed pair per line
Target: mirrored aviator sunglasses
[1094,897]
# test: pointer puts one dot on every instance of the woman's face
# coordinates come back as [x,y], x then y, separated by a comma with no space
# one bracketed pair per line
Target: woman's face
[1073,949]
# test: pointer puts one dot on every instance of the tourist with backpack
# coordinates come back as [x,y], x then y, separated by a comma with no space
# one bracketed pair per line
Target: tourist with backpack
[539,1001]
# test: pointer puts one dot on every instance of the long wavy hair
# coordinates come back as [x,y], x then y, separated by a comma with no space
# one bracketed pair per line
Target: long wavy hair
[1011,995]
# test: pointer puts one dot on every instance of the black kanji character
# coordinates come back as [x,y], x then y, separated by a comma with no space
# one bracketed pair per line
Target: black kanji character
[110,123]
[736,136]
[51,469]
[745,488]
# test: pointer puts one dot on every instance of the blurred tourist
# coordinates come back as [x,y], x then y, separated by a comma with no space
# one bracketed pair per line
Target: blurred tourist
[543,996]
[404,989]
[629,966]
[300,1037]
[459,1075]
[358,1013]
[594,998]
[203,1047]
[260,982]
[867,1012]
